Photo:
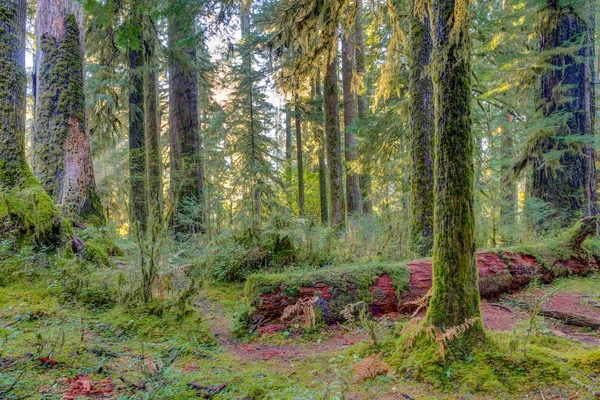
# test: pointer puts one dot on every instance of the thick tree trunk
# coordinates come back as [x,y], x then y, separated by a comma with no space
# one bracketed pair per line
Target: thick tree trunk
[299,155]
[366,190]
[421,138]
[24,201]
[332,138]
[455,297]
[138,201]
[152,126]
[187,178]
[566,100]
[350,110]
[62,159]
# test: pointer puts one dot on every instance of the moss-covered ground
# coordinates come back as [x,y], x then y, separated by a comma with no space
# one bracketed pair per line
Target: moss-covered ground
[49,336]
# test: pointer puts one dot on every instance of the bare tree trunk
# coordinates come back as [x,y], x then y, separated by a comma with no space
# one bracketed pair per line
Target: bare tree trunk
[366,189]
[187,178]
[62,159]
[318,132]
[152,125]
[350,110]
[421,136]
[332,138]
[299,155]
[288,153]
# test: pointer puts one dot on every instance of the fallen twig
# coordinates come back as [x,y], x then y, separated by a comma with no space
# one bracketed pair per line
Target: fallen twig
[210,391]
[503,307]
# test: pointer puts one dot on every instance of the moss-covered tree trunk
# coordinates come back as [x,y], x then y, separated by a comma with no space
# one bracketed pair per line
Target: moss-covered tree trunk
[332,139]
[366,190]
[566,100]
[152,124]
[299,156]
[22,200]
[62,160]
[421,134]
[187,178]
[353,202]
[138,198]
[455,296]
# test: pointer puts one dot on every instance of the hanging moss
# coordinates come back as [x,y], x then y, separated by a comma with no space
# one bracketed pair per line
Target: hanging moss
[60,127]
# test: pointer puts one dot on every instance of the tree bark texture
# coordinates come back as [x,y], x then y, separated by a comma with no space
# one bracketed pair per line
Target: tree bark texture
[421,136]
[62,159]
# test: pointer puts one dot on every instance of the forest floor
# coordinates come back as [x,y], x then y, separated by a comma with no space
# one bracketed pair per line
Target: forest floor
[51,350]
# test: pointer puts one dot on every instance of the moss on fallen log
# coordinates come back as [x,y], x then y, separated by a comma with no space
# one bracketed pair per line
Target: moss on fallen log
[378,285]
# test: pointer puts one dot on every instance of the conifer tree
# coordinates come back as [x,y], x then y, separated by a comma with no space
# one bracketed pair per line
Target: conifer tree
[61,142]
[421,133]
[455,287]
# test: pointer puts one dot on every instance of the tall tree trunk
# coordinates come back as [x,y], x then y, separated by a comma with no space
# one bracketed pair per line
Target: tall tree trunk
[187,178]
[320,139]
[256,189]
[421,135]
[138,201]
[62,159]
[352,180]
[455,297]
[566,100]
[24,201]
[508,210]
[288,154]
[299,155]
[152,125]
[332,138]
[366,190]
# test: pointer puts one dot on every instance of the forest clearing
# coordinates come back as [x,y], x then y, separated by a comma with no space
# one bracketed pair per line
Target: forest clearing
[299,199]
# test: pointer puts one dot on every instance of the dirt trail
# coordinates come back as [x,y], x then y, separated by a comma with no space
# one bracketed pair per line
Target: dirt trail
[219,322]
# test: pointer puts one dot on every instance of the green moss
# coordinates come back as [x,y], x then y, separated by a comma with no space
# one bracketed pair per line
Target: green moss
[60,100]
[498,368]
[97,255]
[347,284]
[32,211]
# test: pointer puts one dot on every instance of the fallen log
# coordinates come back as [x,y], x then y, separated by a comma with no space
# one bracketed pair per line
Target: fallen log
[394,287]
[573,319]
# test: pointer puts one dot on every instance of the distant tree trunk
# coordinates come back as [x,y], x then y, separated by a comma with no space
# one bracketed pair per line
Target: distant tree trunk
[187,178]
[152,125]
[421,135]
[288,153]
[319,138]
[24,201]
[332,138]
[62,159]
[350,110]
[366,190]
[299,155]
[455,297]
[566,100]
[138,201]
[508,211]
